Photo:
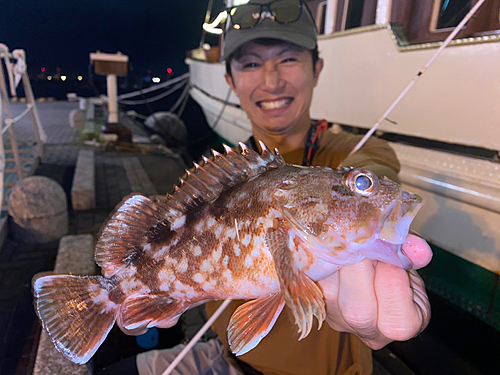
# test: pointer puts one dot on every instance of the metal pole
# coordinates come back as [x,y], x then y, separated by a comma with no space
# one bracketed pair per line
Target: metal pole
[35,117]
[2,152]
[112,99]
[207,20]
[8,116]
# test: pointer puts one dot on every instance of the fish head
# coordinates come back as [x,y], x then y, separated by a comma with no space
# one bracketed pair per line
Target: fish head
[349,214]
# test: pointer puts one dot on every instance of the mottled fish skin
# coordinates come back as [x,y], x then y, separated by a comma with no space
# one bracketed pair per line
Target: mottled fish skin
[240,226]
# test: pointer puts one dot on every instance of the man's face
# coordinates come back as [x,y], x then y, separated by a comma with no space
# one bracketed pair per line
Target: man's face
[275,84]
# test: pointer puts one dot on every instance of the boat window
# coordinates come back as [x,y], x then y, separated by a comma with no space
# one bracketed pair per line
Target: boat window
[432,20]
[321,17]
[449,13]
[354,14]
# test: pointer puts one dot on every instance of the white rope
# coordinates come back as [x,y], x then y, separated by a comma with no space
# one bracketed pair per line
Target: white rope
[153,88]
[9,122]
[183,105]
[419,74]
[154,98]
[196,337]
[181,98]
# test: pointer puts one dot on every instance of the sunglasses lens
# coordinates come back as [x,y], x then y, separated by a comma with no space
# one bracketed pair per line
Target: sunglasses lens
[286,10]
[245,16]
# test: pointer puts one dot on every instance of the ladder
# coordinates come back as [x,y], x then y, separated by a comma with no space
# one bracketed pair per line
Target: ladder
[16,72]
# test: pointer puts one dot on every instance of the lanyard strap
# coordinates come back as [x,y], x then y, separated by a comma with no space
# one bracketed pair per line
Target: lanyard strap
[311,145]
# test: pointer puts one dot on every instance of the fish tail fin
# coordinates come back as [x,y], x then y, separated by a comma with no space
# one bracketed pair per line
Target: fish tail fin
[76,312]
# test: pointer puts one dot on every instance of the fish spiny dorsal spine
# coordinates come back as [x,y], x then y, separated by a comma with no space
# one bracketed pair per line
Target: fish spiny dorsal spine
[222,172]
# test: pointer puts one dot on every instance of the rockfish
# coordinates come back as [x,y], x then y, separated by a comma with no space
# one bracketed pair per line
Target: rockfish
[242,225]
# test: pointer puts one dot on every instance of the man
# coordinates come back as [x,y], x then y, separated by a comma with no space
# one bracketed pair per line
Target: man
[272,67]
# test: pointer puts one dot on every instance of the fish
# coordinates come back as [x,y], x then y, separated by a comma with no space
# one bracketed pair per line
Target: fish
[240,225]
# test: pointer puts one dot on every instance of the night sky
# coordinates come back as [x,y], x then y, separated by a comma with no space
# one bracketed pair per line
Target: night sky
[155,34]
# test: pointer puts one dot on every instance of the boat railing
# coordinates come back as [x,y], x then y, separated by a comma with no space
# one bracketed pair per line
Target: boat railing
[16,72]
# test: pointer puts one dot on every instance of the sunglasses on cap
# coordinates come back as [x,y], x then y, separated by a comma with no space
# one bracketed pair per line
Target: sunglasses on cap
[247,15]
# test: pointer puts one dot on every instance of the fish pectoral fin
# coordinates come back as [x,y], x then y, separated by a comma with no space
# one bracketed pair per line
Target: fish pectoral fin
[140,312]
[76,313]
[252,321]
[302,295]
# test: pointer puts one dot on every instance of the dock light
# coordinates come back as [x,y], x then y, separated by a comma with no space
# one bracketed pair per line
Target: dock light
[49,78]
[79,78]
[63,78]
[156,79]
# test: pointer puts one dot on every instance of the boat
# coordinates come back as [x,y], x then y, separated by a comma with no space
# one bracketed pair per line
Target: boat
[444,131]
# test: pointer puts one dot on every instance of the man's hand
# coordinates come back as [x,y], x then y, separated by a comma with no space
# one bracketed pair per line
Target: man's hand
[378,302]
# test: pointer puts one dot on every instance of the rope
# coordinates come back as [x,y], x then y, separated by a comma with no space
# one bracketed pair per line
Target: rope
[181,98]
[9,121]
[153,88]
[418,75]
[154,98]
[183,106]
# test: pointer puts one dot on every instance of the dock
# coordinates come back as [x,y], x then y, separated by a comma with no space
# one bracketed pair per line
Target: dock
[116,175]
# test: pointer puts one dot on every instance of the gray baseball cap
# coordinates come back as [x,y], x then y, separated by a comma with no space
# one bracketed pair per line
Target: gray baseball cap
[301,32]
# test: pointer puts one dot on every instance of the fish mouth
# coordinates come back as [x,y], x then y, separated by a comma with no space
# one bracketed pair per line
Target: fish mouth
[395,230]
[269,105]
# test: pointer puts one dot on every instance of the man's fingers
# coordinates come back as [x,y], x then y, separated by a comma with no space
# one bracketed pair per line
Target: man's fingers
[403,312]
[356,299]
[418,250]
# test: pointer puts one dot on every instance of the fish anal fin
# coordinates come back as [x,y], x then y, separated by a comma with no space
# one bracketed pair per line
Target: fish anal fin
[140,312]
[76,313]
[124,233]
[302,295]
[252,321]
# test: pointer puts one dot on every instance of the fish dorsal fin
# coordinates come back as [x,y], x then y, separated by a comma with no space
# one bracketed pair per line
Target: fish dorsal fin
[121,238]
[138,218]
[220,173]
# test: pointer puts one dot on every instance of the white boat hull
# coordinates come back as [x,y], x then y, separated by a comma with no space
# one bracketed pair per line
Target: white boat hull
[456,101]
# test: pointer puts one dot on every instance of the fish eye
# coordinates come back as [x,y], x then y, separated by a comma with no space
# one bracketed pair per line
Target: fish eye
[361,182]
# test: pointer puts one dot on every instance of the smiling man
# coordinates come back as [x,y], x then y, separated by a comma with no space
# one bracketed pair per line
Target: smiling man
[273,66]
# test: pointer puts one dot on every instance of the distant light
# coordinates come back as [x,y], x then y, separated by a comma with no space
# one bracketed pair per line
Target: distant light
[63,78]
[150,71]
[43,70]
[58,69]
[49,78]
[169,70]
[156,79]
[79,78]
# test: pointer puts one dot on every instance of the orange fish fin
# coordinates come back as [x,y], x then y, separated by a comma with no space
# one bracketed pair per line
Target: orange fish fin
[252,321]
[76,313]
[140,312]
[125,233]
[302,295]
